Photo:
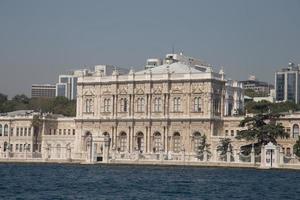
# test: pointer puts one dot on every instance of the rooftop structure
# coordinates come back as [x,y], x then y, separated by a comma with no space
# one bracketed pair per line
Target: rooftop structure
[43,90]
[256,85]
[287,83]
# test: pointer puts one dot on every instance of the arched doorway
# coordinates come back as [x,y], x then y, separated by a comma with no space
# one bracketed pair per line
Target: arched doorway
[123,141]
[156,142]
[140,141]
[87,145]
[196,140]
[176,142]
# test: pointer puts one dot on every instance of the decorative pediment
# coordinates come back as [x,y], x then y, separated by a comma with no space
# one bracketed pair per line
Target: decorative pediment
[177,90]
[157,91]
[106,91]
[122,91]
[139,91]
[89,93]
[197,90]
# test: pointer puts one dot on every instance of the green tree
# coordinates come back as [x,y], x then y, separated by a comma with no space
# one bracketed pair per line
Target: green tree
[21,98]
[296,147]
[261,129]
[224,146]
[3,98]
[266,106]
[203,145]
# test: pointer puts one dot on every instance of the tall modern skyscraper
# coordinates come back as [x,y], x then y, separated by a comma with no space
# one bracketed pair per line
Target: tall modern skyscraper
[287,84]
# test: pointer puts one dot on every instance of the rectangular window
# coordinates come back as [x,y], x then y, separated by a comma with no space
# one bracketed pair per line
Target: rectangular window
[17,147]
[12,132]
[21,147]
[65,131]
[176,104]
[17,131]
[59,131]
[54,131]
[69,131]
[29,131]
[73,131]
[25,131]
[21,132]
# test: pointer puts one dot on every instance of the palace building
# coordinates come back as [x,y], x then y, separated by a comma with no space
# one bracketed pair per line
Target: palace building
[160,111]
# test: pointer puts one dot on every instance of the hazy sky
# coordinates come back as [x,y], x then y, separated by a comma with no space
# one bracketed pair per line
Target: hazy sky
[41,39]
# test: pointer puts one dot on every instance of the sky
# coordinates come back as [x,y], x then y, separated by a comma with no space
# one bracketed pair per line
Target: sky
[41,39]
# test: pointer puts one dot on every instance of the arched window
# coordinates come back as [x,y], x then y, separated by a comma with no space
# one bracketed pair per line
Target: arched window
[0,130]
[197,105]
[58,150]
[295,131]
[5,146]
[176,104]
[288,151]
[176,142]
[140,141]
[156,141]
[140,104]
[197,141]
[123,105]
[106,134]
[157,104]
[106,105]
[5,130]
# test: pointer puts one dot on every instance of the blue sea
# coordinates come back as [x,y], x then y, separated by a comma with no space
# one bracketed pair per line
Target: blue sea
[57,181]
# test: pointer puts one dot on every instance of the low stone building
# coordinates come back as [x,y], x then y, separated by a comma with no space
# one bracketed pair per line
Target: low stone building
[18,138]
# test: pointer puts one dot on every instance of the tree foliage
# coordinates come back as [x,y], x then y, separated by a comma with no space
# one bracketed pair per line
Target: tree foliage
[261,129]
[203,145]
[296,147]
[224,146]
[58,105]
[266,106]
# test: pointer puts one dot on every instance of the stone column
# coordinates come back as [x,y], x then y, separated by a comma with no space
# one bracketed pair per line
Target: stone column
[228,155]
[106,149]
[252,155]
[236,156]
[281,154]
[128,139]
[205,154]
[263,156]
[214,155]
